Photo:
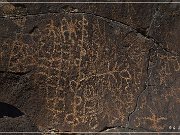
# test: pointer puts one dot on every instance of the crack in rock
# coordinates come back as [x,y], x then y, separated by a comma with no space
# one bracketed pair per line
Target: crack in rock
[145,35]
[146,84]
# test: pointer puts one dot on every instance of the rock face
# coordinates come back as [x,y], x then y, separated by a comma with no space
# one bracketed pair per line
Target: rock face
[19,124]
[72,68]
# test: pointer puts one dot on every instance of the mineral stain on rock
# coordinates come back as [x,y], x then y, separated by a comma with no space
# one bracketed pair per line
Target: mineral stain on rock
[85,72]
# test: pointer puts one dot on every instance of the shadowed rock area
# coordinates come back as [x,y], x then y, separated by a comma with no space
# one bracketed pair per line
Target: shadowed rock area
[9,110]
[91,67]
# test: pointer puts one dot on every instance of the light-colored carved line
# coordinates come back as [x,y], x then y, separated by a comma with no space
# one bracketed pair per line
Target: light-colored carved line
[98,75]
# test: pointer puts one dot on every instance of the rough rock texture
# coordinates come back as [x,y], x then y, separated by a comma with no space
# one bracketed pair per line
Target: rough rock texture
[92,67]
[19,124]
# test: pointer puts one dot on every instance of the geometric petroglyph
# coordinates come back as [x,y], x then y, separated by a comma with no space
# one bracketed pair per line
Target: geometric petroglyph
[88,70]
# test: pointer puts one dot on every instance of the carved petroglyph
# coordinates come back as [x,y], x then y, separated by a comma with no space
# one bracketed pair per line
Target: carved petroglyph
[86,76]
[155,117]
[169,64]
[155,120]
[158,105]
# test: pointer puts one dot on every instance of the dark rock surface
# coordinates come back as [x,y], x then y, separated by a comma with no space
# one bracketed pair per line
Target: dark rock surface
[18,124]
[9,110]
[92,67]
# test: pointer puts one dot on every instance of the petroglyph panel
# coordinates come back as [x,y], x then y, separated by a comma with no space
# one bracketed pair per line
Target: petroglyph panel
[91,67]
[81,67]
